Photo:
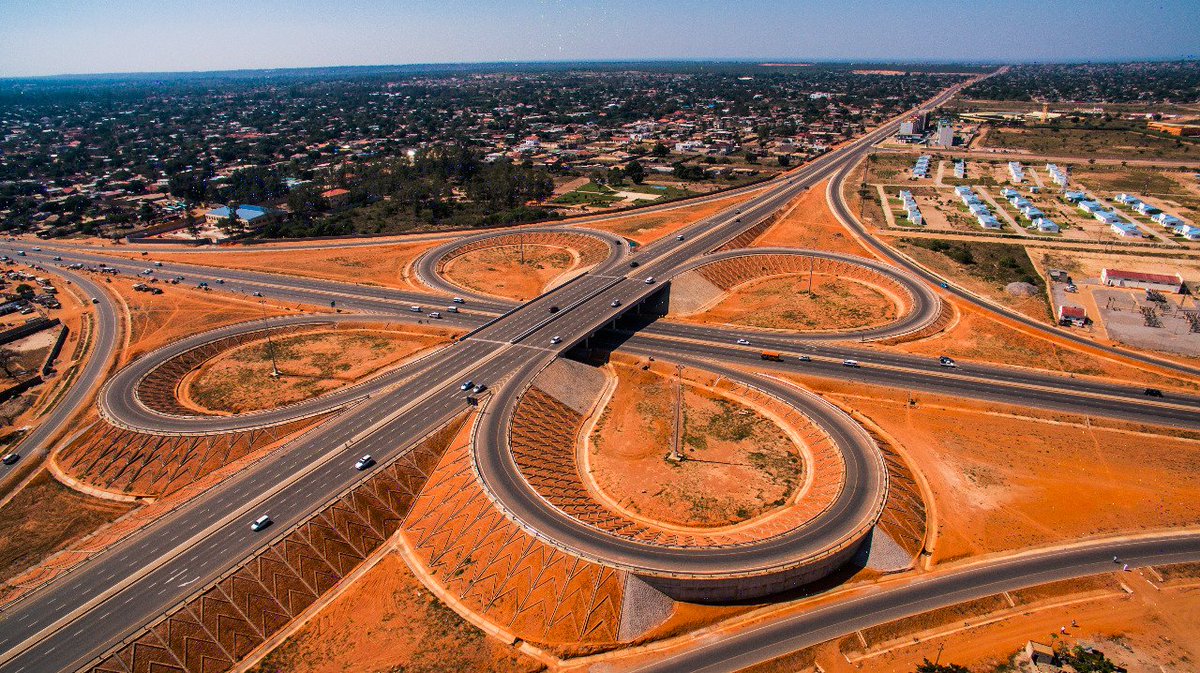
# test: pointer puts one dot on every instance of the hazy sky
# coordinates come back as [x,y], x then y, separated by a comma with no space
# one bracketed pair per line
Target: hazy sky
[40,37]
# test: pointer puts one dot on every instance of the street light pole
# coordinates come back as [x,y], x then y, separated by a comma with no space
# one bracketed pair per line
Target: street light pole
[275,373]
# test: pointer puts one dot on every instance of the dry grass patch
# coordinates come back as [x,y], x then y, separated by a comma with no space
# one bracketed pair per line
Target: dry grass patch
[519,272]
[787,302]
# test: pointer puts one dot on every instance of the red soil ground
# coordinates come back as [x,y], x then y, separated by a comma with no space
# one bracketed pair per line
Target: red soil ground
[786,302]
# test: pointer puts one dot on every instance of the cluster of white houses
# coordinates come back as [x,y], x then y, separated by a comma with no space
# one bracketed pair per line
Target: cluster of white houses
[1097,210]
[1057,175]
[910,207]
[921,168]
[1016,172]
[960,169]
[982,213]
[1036,217]
[1169,222]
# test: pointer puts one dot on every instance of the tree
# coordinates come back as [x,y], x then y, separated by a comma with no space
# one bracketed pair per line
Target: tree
[928,666]
[660,150]
[635,171]
[231,223]
[24,289]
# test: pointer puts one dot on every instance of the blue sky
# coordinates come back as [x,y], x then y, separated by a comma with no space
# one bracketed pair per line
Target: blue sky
[39,37]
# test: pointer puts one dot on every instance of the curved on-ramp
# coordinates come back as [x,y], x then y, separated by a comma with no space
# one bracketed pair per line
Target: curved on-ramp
[710,573]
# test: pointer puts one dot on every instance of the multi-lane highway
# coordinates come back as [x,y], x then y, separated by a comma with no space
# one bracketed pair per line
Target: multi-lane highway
[71,620]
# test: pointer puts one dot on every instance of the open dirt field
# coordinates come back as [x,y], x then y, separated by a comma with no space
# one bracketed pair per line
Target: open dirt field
[382,265]
[1146,632]
[157,319]
[1087,143]
[387,621]
[648,227]
[310,365]
[808,223]
[1004,478]
[787,303]
[724,443]
[515,272]
[45,517]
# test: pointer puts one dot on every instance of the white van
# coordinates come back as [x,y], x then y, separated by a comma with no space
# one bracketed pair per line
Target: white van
[260,523]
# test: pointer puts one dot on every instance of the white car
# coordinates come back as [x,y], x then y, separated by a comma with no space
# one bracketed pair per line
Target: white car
[415,309]
[616,303]
[650,280]
[849,363]
[364,462]
[260,523]
[435,314]
[679,237]
[743,342]
[459,300]
[555,339]
[946,362]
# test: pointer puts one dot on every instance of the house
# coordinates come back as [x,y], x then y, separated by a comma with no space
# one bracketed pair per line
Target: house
[1147,281]
[1090,207]
[1074,197]
[1187,231]
[248,215]
[336,198]
[1167,221]
[1016,172]
[1046,226]
[1072,316]
[1040,654]
[960,169]
[1125,229]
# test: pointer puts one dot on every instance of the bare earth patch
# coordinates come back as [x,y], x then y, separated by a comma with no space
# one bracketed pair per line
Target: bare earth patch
[311,364]
[739,464]
[387,621]
[786,303]
[807,222]
[45,517]
[648,227]
[514,272]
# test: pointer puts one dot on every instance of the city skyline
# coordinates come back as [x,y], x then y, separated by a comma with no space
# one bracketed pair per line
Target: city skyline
[59,38]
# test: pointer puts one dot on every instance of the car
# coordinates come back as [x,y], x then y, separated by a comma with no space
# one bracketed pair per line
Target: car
[738,211]
[849,363]
[158,264]
[555,339]
[364,462]
[435,314]
[260,523]
[257,294]
[147,272]
[10,458]
[95,300]
[633,265]
[220,281]
[202,283]
[743,342]
[467,385]
[650,280]
[36,249]
[944,285]
[459,300]
[804,358]
[20,253]
[415,309]
[679,237]
[452,309]
[479,388]
[944,361]
[1152,392]
[554,309]
[58,258]
[615,303]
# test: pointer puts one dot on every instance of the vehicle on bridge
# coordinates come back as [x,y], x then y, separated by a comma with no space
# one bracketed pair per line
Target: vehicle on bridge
[260,523]
[947,362]
[773,357]
[364,462]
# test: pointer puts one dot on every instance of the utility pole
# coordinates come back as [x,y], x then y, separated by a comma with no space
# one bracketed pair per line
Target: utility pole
[275,373]
[676,454]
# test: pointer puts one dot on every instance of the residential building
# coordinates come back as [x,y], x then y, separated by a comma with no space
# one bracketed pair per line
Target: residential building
[1187,231]
[960,169]
[1056,174]
[336,198]
[921,167]
[1016,172]
[1046,225]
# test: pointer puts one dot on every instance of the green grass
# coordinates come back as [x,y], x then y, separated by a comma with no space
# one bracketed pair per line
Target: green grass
[993,262]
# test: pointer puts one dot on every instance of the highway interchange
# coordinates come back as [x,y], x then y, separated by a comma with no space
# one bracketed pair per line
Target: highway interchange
[70,621]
